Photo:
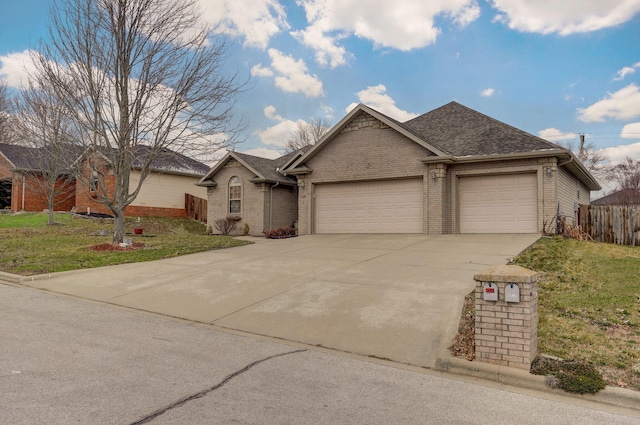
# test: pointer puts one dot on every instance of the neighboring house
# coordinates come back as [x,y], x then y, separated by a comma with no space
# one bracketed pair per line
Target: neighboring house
[162,194]
[254,190]
[19,175]
[451,170]
[620,197]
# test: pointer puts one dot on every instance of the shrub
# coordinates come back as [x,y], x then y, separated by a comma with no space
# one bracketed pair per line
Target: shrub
[226,225]
[246,228]
[573,376]
[281,232]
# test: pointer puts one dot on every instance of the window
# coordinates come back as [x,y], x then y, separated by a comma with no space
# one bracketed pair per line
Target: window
[235,195]
[93,184]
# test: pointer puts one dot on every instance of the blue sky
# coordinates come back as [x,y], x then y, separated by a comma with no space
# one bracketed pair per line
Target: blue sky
[554,69]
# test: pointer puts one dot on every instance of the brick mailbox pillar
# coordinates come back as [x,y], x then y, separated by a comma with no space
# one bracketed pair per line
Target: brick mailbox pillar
[506,329]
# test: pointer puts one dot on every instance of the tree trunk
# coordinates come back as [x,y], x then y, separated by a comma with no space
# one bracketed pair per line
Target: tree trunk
[51,204]
[118,227]
[52,219]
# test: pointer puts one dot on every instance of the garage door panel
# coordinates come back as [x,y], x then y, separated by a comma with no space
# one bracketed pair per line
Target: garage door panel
[393,206]
[498,204]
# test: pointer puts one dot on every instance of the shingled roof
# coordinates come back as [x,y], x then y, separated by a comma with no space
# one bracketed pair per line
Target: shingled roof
[268,169]
[620,197]
[169,161]
[26,158]
[461,131]
[30,159]
[20,156]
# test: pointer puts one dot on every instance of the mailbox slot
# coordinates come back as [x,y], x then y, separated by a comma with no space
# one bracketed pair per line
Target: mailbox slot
[512,293]
[490,292]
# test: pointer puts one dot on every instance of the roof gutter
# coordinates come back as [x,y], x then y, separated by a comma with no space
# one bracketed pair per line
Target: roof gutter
[488,158]
[578,167]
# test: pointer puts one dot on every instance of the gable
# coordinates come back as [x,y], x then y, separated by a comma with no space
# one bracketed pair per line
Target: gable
[264,170]
[367,148]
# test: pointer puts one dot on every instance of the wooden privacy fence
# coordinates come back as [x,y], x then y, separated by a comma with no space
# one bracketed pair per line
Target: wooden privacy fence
[196,208]
[613,224]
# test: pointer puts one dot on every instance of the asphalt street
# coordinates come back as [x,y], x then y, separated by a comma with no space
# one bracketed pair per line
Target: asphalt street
[65,361]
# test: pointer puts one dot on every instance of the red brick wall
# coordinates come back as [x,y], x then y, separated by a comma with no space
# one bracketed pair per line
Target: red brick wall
[5,166]
[34,198]
[136,211]
[84,200]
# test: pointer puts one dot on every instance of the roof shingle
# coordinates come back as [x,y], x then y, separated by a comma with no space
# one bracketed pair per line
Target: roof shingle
[461,131]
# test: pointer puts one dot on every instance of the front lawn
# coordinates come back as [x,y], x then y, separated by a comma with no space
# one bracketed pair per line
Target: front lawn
[30,247]
[589,304]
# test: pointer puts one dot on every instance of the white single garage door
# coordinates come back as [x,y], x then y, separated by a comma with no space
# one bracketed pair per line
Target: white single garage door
[388,206]
[498,204]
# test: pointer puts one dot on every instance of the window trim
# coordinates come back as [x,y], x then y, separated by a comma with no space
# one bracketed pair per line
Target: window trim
[237,183]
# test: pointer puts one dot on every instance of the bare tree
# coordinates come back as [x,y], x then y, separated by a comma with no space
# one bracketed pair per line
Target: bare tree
[6,105]
[46,134]
[626,176]
[592,159]
[307,134]
[136,72]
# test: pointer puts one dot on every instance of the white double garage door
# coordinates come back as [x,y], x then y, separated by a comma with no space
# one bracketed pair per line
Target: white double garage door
[487,204]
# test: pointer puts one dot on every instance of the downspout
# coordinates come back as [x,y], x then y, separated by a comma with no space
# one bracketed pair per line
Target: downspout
[24,182]
[271,205]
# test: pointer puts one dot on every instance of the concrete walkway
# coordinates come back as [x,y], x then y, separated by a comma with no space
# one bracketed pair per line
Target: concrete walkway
[395,297]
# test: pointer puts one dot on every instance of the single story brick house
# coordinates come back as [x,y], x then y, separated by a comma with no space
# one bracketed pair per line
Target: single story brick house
[162,194]
[451,170]
[629,197]
[254,189]
[21,181]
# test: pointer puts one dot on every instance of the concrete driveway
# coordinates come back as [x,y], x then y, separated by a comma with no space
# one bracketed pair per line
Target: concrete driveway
[396,297]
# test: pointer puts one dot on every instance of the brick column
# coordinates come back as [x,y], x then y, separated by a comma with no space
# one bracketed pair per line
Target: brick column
[506,331]
[436,194]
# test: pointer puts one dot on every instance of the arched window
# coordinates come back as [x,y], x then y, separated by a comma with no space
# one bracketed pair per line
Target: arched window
[235,195]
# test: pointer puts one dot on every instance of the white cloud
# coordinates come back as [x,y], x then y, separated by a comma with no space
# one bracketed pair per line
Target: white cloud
[270,112]
[554,135]
[261,71]
[277,135]
[631,131]
[15,67]
[328,53]
[624,72]
[487,92]
[564,17]
[291,75]
[400,24]
[264,153]
[376,97]
[255,20]
[621,105]
[627,70]
[617,154]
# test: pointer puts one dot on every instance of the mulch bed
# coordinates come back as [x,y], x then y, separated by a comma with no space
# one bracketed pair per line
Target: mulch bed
[105,247]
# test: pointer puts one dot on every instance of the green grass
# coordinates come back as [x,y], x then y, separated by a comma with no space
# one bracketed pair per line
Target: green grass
[29,246]
[589,304]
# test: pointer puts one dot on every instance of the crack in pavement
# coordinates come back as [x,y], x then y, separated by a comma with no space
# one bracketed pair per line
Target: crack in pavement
[203,393]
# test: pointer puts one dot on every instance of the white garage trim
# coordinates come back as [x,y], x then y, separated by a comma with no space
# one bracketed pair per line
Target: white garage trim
[384,206]
[506,203]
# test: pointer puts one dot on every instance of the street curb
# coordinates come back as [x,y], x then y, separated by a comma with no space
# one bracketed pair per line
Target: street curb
[24,280]
[612,396]
[10,278]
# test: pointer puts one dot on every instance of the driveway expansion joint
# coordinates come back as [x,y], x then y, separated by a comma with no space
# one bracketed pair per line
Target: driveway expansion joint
[205,392]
